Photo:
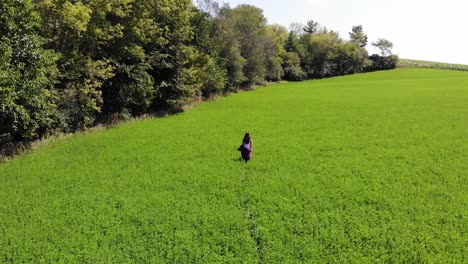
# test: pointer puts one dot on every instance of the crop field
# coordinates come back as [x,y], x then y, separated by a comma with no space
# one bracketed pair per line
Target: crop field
[370,168]
[407,63]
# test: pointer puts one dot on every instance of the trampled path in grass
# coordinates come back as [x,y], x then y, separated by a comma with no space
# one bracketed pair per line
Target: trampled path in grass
[366,168]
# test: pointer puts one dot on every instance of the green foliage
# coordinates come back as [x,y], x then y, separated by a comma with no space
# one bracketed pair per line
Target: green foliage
[351,59]
[27,75]
[76,16]
[250,27]
[120,55]
[70,29]
[293,58]
[273,45]
[131,88]
[291,43]
[379,63]
[359,169]
[212,73]
[170,51]
[357,35]
[234,65]
[212,77]
[311,27]
[326,55]
[243,28]
[80,96]
[384,61]
[322,54]
[292,67]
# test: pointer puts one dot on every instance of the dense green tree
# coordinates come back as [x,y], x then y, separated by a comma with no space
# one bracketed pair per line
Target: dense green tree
[243,30]
[291,44]
[249,27]
[321,53]
[294,44]
[228,49]
[351,59]
[211,70]
[292,67]
[379,63]
[234,64]
[70,28]
[27,75]
[328,55]
[169,48]
[274,47]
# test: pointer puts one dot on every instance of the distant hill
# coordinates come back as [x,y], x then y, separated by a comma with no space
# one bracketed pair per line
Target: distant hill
[408,63]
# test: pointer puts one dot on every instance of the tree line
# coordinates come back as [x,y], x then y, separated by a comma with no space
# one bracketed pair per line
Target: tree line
[67,64]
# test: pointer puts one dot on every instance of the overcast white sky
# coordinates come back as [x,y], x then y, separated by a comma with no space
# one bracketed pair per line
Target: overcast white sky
[419,29]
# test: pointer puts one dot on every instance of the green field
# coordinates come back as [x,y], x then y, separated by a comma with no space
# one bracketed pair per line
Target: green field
[407,63]
[367,168]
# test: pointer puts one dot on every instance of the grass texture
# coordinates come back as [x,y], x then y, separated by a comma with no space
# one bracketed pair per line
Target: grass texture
[368,168]
[407,63]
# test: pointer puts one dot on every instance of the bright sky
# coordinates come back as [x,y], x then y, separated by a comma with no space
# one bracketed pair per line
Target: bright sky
[432,30]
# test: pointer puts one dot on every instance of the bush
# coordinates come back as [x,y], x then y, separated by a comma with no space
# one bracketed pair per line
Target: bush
[379,63]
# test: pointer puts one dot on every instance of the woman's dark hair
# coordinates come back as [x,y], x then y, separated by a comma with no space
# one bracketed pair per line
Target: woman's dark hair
[246,139]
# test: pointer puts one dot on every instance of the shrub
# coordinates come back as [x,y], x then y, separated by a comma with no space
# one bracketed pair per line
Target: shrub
[382,62]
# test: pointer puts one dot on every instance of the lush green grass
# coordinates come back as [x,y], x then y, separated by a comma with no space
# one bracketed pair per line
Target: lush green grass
[407,63]
[367,168]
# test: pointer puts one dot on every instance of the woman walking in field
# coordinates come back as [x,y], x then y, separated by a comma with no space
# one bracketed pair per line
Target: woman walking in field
[246,147]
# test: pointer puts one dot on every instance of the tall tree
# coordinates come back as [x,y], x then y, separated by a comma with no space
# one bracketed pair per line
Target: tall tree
[357,35]
[229,48]
[170,51]
[274,42]
[384,45]
[245,26]
[292,57]
[209,66]
[311,27]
